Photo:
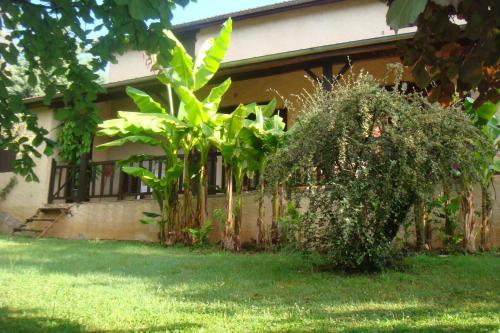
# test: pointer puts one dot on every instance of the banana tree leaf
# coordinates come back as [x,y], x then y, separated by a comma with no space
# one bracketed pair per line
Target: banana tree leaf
[268,110]
[113,127]
[144,102]
[192,110]
[227,151]
[181,70]
[157,195]
[235,123]
[207,130]
[148,221]
[212,101]
[151,214]
[275,123]
[136,158]
[151,122]
[211,55]
[130,139]
[146,176]
[172,174]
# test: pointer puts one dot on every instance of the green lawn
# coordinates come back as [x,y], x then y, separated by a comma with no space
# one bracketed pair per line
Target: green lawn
[72,286]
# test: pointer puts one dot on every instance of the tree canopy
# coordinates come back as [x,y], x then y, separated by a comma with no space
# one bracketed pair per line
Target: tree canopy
[455,48]
[49,35]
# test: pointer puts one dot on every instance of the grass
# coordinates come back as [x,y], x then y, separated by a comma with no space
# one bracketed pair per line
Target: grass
[53,285]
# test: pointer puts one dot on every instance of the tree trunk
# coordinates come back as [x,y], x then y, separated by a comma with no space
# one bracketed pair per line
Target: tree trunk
[173,224]
[486,221]
[419,209]
[201,208]
[162,233]
[282,204]
[188,214]
[260,217]
[276,215]
[467,208]
[237,213]
[449,227]
[428,230]
[228,241]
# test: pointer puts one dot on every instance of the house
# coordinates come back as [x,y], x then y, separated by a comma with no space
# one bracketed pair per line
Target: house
[276,48]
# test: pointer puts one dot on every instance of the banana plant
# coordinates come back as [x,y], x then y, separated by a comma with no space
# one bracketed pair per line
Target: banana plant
[187,77]
[485,119]
[152,126]
[269,129]
[236,143]
[190,129]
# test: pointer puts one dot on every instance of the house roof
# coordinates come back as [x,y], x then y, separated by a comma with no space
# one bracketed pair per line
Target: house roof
[250,13]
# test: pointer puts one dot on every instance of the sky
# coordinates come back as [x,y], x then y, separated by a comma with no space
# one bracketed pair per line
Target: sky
[208,8]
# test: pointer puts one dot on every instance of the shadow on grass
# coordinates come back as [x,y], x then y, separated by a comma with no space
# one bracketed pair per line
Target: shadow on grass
[28,322]
[12,321]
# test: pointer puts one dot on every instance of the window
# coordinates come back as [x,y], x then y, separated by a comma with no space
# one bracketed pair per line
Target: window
[7,159]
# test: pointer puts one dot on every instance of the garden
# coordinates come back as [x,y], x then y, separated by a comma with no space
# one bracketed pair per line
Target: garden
[373,192]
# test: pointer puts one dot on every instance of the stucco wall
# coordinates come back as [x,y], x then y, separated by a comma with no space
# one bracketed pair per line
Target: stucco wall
[132,64]
[302,29]
[335,23]
[120,220]
[25,197]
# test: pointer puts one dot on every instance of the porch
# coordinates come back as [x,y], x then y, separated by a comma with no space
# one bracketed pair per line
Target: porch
[92,181]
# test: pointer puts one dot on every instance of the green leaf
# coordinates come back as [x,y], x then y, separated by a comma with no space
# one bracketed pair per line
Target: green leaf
[471,70]
[181,70]
[148,221]
[268,110]
[146,176]
[496,166]
[130,139]
[141,9]
[172,174]
[151,122]
[402,13]
[211,56]
[212,101]
[487,110]
[421,75]
[151,214]
[136,159]
[192,109]
[62,114]
[144,102]
[235,123]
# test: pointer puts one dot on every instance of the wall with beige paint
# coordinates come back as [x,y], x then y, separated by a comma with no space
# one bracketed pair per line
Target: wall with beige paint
[130,65]
[306,28]
[327,24]
[120,220]
[25,197]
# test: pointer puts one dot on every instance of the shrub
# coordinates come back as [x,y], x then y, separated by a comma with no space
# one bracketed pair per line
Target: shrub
[365,154]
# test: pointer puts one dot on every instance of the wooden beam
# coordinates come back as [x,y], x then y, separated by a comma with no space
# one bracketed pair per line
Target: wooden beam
[311,74]
[341,72]
[277,68]
[327,81]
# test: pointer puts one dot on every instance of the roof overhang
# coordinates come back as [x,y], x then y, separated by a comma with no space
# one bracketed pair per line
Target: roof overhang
[267,65]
